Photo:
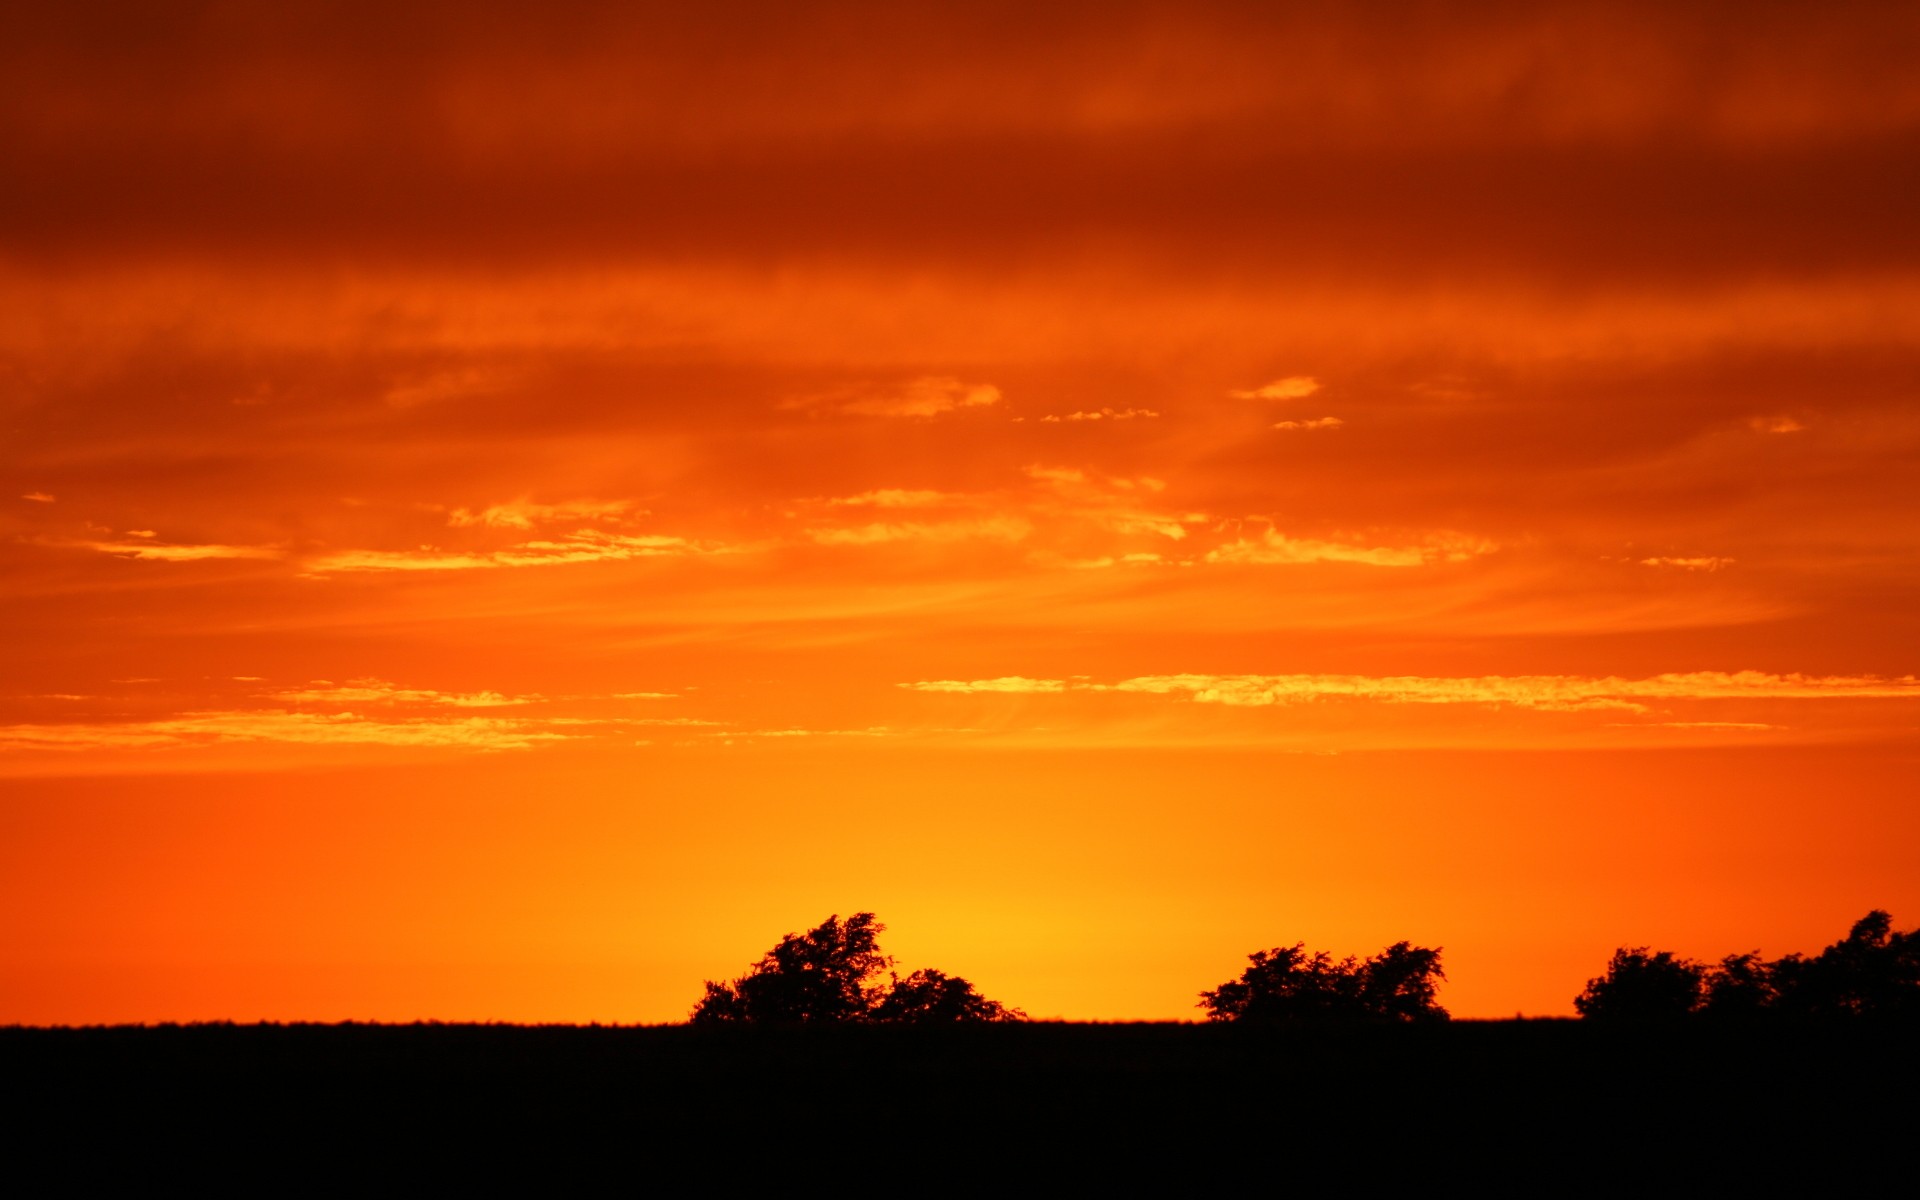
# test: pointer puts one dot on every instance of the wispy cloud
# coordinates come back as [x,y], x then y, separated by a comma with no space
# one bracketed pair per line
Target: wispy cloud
[327,713]
[378,691]
[1546,692]
[688,722]
[1140,558]
[869,732]
[1006,683]
[1076,517]
[583,545]
[1688,564]
[1775,424]
[1315,423]
[1055,475]
[1293,387]
[1066,515]
[161,552]
[1001,529]
[896,498]
[927,396]
[524,513]
[1273,547]
[337,729]
[1103,414]
[39,497]
[1116,503]
[443,385]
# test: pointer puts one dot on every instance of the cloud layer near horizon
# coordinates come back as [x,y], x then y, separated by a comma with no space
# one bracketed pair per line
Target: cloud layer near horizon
[1456,343]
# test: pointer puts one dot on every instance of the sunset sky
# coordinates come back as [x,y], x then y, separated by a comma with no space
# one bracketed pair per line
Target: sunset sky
[508,509]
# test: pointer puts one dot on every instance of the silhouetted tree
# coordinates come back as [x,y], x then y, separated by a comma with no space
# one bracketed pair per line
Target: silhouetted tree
[936,998]
[1399,983]
[817,977]
[825,976]
[1643,986]
[1874,971]
[1740,986]
[1288,984]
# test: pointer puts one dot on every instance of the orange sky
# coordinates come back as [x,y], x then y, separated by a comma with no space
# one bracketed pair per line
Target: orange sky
[507,512]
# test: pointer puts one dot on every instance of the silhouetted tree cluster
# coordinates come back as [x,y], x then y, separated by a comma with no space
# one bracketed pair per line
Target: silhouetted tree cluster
[828,975]
[1288,984]
[831,975]
[1873,972]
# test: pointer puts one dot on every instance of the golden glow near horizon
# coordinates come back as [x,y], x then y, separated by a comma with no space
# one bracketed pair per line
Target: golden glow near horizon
[508,513]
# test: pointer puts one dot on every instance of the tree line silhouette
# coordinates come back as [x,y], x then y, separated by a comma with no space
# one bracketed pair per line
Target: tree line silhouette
[1873,972]
[1288,984]
[831,975]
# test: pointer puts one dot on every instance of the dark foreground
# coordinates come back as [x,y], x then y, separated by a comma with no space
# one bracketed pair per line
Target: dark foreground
[1531,1103]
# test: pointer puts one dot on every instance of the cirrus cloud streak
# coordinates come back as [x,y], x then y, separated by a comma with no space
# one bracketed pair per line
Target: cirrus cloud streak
[1544,692]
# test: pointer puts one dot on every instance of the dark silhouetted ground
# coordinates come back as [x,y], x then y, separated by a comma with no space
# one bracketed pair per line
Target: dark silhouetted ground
[1526,1104]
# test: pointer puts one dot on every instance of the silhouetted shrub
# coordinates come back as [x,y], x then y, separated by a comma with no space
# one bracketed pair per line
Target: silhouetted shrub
[825,976]
[1287,984]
